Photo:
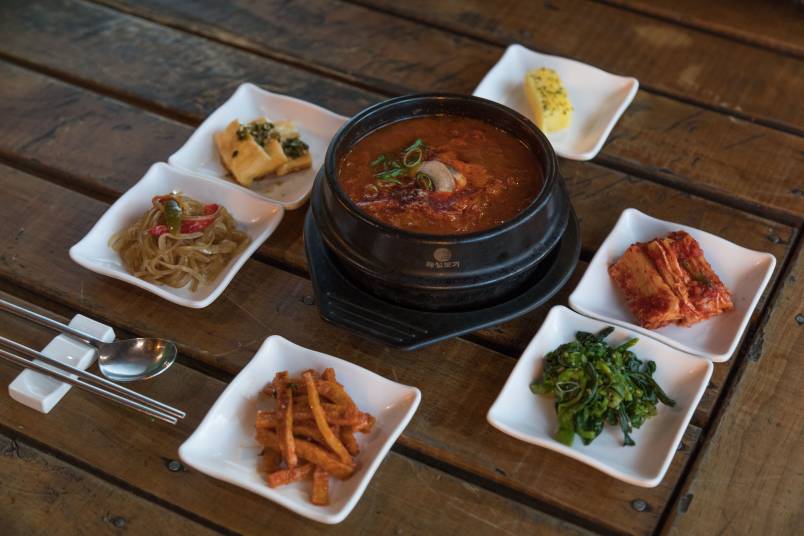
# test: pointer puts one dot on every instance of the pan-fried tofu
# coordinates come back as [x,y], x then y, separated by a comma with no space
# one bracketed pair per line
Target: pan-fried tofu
[296,150]
[246,159]
[286,130]
[261,148]
[295,164]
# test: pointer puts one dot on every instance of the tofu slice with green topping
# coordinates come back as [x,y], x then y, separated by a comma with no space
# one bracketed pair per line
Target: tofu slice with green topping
[243,155]
[296,150]
[260,148]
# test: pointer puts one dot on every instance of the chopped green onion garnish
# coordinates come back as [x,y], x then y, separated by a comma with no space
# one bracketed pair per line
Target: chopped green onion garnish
[415,145]
[425,181]
[413,158]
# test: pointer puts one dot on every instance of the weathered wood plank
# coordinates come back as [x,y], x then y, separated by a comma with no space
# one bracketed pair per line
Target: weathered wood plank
[699,150]
[381,48]
[42,495]
[749,478]
[42,219]
[127,141]
[427,446]
[191,78]
[404,497]
[777,25]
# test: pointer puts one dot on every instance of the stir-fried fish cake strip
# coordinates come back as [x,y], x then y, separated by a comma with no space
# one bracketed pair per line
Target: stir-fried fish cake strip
[307,436]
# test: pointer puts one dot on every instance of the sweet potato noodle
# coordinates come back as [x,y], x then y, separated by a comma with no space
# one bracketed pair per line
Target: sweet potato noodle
[179,241]
[441,175]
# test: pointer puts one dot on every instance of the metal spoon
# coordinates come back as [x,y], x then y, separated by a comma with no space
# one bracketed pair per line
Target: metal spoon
[120,361]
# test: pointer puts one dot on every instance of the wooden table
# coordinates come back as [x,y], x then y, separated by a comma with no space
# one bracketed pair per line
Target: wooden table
[93,92]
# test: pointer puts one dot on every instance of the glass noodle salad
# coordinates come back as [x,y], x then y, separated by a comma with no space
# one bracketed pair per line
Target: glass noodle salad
[179,241]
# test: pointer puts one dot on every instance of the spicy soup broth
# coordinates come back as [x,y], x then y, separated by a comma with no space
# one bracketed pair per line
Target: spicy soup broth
[441,175]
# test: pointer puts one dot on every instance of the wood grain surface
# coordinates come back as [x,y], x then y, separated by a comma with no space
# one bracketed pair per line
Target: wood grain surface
[262,301]
[148,138]
[126,141]
[405,496]
[749,478]
[95,91]
[114,52]
[777,25]
[677,143]
[42,495]
[666,58]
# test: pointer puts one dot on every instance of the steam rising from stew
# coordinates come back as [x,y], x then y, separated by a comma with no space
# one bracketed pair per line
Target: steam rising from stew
[441,175]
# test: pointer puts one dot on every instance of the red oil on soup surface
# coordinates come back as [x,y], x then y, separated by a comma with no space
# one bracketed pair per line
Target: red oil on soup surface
[485,175]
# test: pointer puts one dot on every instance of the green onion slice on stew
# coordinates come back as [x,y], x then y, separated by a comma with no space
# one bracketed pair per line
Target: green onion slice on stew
[391,175]
[394,169]
[424,181]
[413,158]
[418,144]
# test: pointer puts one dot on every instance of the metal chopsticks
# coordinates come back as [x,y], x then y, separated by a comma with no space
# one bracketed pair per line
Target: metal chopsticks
[115,393]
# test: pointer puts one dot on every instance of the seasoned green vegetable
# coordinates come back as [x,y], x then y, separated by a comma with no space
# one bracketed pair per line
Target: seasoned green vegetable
[594,383]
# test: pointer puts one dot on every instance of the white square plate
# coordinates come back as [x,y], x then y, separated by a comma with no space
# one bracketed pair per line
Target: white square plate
[254,214]
[598,98]
[744,272]
[316,127]
[532,418]
[223,445]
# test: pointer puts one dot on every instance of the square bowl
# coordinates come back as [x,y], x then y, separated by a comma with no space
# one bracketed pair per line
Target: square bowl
[532,418]
[598,98]
[744,272]
[223,446]
[316,127]
[254,214]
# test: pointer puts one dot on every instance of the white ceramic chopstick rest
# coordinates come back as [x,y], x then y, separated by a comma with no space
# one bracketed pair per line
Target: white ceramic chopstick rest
[41,392]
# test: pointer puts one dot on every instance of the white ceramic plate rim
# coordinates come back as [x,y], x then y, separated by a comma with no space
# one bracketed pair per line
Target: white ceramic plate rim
[598,263]
[304,509]
[552,444]
[108,219]
[483,89]
[242,92]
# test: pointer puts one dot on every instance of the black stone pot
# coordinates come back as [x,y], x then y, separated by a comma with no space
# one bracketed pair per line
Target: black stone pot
[439,272]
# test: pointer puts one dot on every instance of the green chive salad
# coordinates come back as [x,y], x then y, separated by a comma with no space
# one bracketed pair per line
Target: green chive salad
[594,383]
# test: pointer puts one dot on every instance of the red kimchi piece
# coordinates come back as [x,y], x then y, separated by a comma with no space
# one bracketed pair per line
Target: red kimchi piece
[668,281]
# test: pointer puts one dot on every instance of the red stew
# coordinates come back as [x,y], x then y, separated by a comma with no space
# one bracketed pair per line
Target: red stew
[441,175]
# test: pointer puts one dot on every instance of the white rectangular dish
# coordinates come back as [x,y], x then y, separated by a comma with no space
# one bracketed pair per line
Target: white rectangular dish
[532,418]
[254,214]
[598,98]
[744,272]
[316,127]
[223,446]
